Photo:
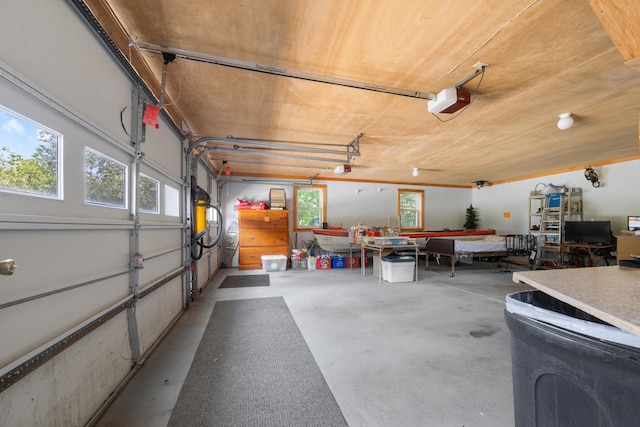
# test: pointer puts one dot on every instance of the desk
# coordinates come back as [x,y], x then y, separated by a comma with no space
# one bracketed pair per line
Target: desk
[591,251]
[412,244]
[608,293]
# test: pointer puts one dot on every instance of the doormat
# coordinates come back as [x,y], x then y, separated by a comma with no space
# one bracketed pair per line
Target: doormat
[245,281]
[254,368]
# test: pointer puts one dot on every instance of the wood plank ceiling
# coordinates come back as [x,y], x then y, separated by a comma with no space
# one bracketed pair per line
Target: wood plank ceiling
[546,57]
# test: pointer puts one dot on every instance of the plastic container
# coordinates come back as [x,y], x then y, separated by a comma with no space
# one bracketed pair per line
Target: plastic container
[391,240]
[323,263]
[298,263]
[570,368]
[353,261]
[554,199]
[338,262]
[274,263]
[312,263]
[398,268]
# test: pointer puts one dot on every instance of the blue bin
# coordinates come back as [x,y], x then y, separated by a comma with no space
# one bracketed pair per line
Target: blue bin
[554,200]
[338,262]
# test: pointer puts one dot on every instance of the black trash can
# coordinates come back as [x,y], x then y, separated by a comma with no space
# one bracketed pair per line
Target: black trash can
[570,368]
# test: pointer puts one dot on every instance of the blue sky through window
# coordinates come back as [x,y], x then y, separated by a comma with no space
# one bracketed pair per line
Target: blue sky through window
[18,134]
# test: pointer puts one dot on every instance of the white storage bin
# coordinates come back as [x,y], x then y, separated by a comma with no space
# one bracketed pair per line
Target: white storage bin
[312,263]
[274,263]
[391,240]
[398,269]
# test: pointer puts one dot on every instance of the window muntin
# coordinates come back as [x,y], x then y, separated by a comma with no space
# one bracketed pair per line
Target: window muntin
[410,209]
[148,194]
[105,180]
[309,206]
[30,157]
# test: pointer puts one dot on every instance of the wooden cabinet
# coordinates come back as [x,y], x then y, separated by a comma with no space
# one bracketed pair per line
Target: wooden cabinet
[261,232]
[626,246]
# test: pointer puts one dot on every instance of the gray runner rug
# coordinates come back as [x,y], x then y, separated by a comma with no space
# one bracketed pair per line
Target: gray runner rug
[244,281]
[253,368]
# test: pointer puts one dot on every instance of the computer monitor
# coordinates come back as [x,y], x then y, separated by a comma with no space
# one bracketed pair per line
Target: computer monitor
[633,222]
[589,232]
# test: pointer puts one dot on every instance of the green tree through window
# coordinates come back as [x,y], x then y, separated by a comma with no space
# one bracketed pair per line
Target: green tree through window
[148,194]
[410,209]
[29,159]
[105,180]
[309,206]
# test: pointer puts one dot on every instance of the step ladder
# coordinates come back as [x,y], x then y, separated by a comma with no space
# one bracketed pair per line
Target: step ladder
[549,245]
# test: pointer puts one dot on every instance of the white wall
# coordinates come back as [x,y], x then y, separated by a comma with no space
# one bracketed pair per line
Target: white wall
[503,207]
[444,207]
[617,197]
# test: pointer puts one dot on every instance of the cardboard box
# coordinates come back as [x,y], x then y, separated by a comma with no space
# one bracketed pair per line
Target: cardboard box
[626,246]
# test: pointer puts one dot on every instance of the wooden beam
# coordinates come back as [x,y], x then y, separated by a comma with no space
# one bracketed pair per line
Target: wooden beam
[621,20]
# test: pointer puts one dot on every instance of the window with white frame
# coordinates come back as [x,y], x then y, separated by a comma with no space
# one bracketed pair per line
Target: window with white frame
[309,206]
[148,194]
[410,209]
[105,180]
[30,156]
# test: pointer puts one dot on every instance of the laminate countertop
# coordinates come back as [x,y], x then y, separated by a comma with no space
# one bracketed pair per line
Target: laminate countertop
[609,293]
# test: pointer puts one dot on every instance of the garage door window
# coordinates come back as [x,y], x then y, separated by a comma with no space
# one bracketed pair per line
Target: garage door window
[30,157]
[149,195]
[105,180]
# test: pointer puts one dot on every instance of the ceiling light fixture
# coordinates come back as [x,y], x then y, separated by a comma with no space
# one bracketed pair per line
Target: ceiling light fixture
[415,172]
[566,121]
[480,183]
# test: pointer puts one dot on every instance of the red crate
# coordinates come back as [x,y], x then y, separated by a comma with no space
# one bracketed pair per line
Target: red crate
[353,261]
[324,263]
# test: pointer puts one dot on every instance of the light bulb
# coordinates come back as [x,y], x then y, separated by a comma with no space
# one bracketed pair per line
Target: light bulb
[565,122]
[415,172]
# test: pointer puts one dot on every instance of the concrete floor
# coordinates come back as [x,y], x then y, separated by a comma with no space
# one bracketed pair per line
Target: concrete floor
[435,352]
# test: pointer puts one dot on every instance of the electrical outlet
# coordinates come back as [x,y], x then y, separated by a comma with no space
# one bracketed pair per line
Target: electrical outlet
[480,65]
